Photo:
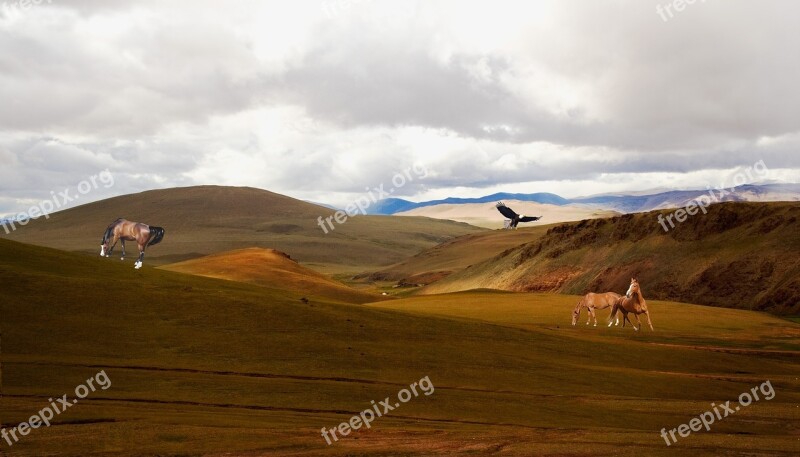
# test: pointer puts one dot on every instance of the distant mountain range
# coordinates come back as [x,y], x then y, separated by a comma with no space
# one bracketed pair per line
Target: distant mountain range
[624,203]
[398,205]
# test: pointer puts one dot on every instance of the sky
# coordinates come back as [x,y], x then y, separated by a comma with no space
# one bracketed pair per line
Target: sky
[321,100]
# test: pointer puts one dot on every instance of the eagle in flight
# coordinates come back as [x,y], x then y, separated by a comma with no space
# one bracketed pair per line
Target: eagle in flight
[515,218]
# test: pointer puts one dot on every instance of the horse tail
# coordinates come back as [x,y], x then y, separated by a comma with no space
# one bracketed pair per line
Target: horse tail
[614,309]
[156,235]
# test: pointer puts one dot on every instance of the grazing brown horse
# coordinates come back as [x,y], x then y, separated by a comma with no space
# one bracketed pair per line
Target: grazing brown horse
[632,302]
[591,302]
[124,230]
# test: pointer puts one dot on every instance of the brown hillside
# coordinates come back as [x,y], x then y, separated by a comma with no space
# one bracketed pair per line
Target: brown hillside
[208,219]
[442,260]
[270,268]
[739,255]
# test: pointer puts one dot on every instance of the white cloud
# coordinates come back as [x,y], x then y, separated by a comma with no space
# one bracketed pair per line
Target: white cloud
[322,98]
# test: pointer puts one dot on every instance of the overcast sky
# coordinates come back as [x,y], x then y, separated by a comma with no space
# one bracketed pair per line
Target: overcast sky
[321,99]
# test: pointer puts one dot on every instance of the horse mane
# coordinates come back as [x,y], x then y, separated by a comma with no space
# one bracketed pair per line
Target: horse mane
[110,229]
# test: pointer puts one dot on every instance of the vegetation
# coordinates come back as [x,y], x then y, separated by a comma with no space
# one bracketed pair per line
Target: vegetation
[739,255]
[207,366]
[205,220]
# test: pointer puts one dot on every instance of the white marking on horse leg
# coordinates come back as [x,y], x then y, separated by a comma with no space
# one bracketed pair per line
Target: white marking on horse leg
[102,250]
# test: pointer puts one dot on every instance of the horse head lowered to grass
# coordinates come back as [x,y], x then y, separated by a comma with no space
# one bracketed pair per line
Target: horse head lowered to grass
[592,302]
[124,230]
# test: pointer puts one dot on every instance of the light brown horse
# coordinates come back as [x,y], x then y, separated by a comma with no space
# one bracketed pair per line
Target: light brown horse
[124,230]
[593,301]
[632,302]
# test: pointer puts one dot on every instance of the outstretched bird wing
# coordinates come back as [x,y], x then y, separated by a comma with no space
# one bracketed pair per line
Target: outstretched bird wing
[506,211]
[529,218]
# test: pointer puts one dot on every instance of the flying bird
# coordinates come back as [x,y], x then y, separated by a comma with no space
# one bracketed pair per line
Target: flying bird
[514,217]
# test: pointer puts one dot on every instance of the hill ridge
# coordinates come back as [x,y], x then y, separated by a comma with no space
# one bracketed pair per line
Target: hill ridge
[201,220]
[271,268]
[740,255]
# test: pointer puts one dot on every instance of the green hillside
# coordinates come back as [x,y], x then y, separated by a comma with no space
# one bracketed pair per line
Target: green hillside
[201,366]
[209,219]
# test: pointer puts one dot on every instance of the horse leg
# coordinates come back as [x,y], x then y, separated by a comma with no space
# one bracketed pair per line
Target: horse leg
[636,315]
[626,318]
[629,320]
[113,245]
[649,322]
[123,250]
[138,263]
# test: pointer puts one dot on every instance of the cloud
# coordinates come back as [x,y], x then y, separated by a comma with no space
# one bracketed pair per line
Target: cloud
[320,99]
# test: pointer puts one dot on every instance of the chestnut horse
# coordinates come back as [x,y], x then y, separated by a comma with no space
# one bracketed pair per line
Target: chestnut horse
[124,230]
[632,302]
[591,302]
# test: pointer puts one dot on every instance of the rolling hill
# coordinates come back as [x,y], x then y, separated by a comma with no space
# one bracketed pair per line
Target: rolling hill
[739,255]
[270,268]
[454,255]
[209,219]
[200,366]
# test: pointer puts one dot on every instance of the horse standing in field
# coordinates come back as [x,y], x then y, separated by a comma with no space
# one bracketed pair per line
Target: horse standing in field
[593,301]
[632,302]
[124,230]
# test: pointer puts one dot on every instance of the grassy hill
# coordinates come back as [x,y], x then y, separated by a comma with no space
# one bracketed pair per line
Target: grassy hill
[739,255]
[209,219]
[455,255]
[270,268]
[200,366]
